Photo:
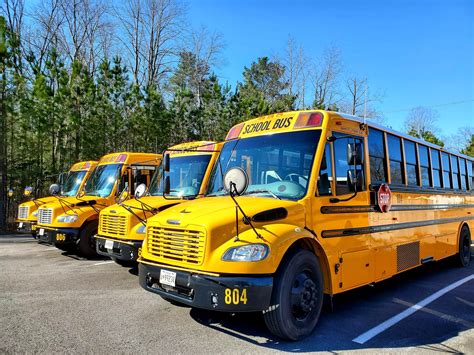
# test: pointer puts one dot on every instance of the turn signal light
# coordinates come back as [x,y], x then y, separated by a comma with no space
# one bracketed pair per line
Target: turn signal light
[309,119]
[235,131]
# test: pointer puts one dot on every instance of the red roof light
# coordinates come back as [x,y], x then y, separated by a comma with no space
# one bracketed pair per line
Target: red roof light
[235,131]
[309,119]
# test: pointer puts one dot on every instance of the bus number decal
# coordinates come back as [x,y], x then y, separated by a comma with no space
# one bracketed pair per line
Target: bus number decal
[235,296]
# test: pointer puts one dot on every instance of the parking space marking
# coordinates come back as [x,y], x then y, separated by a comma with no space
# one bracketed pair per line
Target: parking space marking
[361,339]
[104,262]
[438,314]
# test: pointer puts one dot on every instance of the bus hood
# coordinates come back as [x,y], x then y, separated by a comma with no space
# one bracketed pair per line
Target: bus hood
[213,212]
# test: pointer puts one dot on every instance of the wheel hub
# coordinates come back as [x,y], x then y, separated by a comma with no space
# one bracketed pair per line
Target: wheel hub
[304,295]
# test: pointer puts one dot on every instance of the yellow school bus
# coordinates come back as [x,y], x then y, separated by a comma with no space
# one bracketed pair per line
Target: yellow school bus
[302,204]
[122,226]
[73,220]
[72,185]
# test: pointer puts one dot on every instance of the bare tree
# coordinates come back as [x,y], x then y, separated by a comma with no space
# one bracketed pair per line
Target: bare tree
[324,78]
[206,47]
[42,36]
[296,70]
[14,11]
[84,31]
[421,120]
[152,32]
[359,99]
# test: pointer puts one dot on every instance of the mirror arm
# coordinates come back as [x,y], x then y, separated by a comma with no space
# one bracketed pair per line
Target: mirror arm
[247,220]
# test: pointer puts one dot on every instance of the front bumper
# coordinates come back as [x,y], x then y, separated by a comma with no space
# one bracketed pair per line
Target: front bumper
[221,293]
[26,227]
[122,250]
[57,235]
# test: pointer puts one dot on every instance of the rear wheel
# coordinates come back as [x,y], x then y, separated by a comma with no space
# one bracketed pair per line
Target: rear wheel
[463,258]
[87,242]
[297,297]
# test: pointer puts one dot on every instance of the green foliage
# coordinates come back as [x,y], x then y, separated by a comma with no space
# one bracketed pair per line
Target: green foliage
[469,149]
[264,90]
[426,136]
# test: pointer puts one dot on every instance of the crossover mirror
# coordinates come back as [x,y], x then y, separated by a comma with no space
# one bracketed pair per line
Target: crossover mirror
[140,191]
[236,181]
[54,189]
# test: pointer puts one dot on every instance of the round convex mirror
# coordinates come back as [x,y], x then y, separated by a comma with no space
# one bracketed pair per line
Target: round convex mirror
[54,189]
[236,181]
[140,190]
[28,190]
[123,196]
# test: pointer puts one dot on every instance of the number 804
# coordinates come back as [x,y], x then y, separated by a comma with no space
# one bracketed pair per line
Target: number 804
[235,296]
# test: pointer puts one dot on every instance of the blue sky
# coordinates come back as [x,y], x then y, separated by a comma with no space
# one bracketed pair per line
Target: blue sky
[419,53]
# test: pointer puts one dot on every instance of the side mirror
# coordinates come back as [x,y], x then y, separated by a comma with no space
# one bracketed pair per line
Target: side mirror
[166,186]
[123,196]
[166,162]
[54,189]
[28,190]
[355,180]
[236,181]
[355,153]
[140,191]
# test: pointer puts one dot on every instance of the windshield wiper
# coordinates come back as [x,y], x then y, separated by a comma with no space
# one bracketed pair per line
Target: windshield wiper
[262,191]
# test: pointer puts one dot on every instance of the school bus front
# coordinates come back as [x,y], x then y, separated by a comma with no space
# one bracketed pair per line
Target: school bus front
[122,225]
[73,221]
[74,181]
[302,204]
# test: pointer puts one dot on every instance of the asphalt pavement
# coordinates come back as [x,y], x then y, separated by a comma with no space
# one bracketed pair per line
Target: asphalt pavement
[55,301]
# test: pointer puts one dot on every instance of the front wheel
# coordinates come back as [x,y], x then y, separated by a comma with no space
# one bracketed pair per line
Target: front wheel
[297,297]
[87,241]
[464,255]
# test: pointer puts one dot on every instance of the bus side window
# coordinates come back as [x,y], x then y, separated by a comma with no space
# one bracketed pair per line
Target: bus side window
[464,181]
[377,156]
[447,184]
[325,173]
[470,174]
[455,169]
[411,163]
[342,165]
[396,163]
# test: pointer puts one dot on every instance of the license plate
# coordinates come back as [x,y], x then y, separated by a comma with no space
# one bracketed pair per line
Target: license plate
[167,278]
[41,231]
[20,225]
[109,244]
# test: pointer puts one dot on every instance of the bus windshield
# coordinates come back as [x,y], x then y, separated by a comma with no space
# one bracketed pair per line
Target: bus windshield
[102,180]
[277,165]
[72,183]
[186,175]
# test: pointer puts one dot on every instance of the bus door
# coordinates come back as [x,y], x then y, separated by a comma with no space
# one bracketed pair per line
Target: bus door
[340,210]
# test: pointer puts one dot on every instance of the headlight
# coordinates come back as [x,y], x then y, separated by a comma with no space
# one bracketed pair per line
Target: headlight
[68,218]
[251,252]
[35,214]
[141,229]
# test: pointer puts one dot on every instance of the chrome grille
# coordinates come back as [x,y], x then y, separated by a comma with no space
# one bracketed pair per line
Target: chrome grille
[45,216]
[181,245]
[23,212]
[114,225]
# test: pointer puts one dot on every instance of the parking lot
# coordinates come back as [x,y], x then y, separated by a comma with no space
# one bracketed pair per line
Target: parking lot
[51,300]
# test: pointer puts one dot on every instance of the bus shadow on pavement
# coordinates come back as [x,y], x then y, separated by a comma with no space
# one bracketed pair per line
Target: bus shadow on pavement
[359,310]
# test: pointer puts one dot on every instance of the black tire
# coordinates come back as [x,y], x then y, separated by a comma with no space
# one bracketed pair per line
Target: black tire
[297,297]
[126,263]
[463,258]
[87,243]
